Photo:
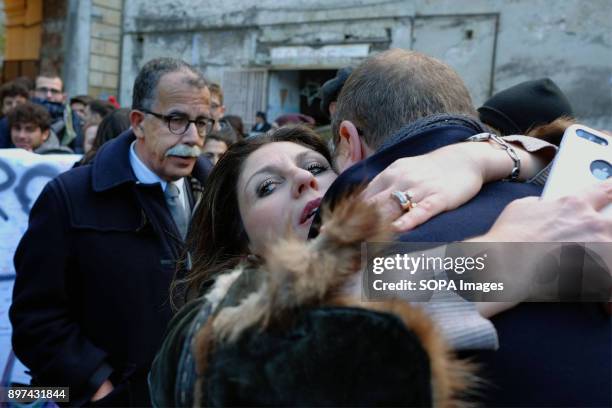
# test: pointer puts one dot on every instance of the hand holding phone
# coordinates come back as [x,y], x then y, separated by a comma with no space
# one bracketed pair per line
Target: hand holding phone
[584,159]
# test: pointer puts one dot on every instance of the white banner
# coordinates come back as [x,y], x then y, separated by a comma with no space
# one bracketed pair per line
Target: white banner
[23,175]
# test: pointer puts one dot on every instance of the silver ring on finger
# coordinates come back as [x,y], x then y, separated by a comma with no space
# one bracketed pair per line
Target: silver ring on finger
[404,199]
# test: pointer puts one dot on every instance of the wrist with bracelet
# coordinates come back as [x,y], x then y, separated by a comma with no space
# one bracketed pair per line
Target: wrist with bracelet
[490,137]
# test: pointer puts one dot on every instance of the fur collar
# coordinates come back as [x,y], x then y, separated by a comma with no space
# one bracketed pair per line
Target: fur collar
[299,273]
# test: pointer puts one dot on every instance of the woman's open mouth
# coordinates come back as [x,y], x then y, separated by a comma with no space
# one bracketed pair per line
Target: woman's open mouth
[310,210]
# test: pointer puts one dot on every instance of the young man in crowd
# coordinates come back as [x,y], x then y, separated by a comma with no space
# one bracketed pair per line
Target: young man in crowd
[66,124]
[29,124]
[218,142]
[214,148]
[49,88]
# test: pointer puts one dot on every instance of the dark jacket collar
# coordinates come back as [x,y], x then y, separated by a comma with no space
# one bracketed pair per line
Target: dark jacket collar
[419,126]
[112,167]
[410,141]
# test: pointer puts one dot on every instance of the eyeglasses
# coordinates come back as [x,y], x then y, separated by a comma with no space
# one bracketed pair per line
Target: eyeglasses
[178,124]
[44,89]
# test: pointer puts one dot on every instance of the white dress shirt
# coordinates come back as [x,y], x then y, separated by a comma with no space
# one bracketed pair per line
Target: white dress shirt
[146,176]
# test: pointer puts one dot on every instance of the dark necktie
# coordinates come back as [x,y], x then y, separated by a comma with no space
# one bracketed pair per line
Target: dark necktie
[179,215]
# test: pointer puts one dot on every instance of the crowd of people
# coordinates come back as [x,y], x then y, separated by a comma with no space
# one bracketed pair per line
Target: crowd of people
[185,263]
[39,117]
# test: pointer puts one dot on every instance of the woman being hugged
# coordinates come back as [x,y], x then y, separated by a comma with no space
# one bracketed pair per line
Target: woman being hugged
[252,268]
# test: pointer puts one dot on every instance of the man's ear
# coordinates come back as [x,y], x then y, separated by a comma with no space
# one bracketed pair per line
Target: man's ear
[136,121]
[350,149]
[45,135]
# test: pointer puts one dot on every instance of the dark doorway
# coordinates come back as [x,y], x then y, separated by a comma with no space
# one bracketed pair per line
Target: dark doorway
[296,91]
[309,82]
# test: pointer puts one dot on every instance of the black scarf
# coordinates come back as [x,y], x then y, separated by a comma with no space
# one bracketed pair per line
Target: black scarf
[431,122]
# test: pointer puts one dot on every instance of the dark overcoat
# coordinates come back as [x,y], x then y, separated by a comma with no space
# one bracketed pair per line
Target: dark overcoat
[91,297]
[550,354]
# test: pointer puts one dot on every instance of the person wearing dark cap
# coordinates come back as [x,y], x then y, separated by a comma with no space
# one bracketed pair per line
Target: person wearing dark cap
[522,107]
[331,89]
[29,124]
[261,123]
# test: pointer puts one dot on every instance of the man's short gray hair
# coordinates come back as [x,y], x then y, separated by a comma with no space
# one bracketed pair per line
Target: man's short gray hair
[395,88]
[145,85]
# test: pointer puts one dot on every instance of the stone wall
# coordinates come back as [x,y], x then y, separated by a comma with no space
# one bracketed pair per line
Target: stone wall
[105,47]
[492,44]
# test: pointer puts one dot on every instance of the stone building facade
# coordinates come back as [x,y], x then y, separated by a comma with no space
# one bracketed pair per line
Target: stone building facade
[105,46]
[271,55]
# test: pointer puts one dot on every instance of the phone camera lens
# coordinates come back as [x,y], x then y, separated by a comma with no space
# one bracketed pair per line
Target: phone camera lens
[591,137]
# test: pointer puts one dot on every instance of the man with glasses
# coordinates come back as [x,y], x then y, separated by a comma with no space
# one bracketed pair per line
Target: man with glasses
[90,303]
[66,124]
[49,88]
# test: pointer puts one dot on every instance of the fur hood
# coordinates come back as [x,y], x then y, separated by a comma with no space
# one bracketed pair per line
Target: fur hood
[296,275]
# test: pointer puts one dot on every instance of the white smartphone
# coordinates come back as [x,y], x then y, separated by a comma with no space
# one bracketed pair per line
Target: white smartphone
[584,159]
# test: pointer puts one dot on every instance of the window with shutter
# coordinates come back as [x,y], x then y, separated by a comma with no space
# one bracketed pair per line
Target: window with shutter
[245,93]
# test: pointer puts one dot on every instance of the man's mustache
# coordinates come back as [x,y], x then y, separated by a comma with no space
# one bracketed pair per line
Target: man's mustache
[183,150]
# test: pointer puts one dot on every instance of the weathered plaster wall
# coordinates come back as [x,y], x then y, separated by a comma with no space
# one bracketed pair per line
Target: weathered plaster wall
[493,44]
